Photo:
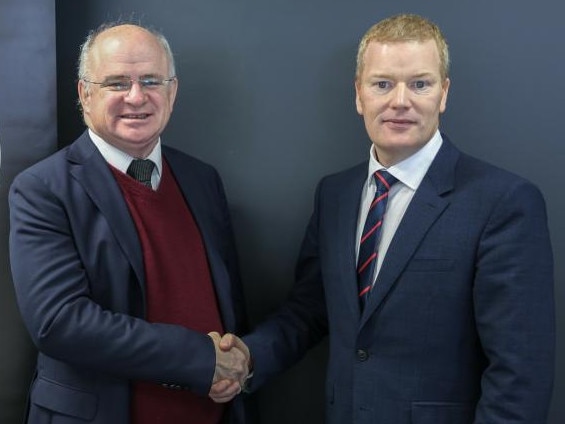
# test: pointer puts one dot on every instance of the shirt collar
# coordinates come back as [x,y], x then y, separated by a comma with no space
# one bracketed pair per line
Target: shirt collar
[411,170]
[120,159]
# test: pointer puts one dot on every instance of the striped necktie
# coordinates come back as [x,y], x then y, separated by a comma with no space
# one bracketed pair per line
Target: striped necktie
[141,170]
[368,246]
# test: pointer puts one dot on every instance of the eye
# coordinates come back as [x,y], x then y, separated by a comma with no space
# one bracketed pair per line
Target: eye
[382,85]
[151,82]
[420,85]
[117,85]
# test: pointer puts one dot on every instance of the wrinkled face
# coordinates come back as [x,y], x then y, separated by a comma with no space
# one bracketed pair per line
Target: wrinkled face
[400,94]
[131,119]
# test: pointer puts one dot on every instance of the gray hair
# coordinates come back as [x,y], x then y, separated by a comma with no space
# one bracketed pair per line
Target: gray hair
[86,47]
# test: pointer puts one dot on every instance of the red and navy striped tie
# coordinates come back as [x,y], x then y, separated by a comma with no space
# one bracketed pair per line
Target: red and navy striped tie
[368,246]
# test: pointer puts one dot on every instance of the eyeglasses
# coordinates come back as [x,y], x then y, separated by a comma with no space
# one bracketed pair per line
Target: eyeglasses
[124,84]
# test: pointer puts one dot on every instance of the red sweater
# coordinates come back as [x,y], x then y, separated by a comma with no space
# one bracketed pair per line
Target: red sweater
[178,290]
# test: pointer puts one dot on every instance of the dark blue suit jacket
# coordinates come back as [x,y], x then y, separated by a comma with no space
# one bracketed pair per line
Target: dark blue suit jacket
[79,279]
[459,327]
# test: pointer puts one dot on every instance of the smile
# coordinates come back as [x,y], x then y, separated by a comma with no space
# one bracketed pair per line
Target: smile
[135,116]
[398,121]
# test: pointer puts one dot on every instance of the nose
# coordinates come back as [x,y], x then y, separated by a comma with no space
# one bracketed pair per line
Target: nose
[135,94]
[399,96]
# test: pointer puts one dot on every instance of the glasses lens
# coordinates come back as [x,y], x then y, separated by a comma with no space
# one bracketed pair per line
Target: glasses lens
[125,84]
[118,84]
[150,83]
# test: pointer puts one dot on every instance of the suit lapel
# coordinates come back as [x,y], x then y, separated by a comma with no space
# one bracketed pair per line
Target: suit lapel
[192,189]
[426,207]
[349,197]
[90,169]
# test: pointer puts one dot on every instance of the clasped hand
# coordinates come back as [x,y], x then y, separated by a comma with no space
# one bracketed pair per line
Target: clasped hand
[232,367]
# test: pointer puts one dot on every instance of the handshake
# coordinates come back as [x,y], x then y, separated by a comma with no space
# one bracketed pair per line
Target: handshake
[233,364]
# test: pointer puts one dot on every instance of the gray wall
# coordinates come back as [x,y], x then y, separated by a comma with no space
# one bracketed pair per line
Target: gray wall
[266,95]
[27,133]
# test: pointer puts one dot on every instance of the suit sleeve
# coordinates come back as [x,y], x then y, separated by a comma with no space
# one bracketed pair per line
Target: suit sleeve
[65,322]
[514,307]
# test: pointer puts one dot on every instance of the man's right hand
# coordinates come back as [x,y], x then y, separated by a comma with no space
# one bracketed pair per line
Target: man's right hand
[232,367]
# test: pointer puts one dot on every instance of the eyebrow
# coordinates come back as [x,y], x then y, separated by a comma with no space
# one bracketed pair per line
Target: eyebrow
[123,76]
[424,74]
[389,76]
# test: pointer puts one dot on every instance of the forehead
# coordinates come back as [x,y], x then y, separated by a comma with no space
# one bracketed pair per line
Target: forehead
[420,56]
[127,50]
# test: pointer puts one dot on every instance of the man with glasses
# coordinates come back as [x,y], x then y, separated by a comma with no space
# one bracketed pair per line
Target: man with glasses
[123,256]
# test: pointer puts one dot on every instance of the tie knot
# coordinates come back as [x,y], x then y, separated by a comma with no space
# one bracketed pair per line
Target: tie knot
[141,170]
[384,180]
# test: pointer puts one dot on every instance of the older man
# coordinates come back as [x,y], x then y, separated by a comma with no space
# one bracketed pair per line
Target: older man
[123,256]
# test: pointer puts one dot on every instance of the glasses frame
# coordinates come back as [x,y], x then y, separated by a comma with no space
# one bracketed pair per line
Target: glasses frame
[143,83]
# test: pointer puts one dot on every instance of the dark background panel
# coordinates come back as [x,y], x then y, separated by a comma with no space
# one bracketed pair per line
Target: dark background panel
[266,95]
[28,132]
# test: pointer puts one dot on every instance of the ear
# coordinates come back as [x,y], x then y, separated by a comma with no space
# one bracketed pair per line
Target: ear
[444,92]
[358,103]
[173,88]
[84,95]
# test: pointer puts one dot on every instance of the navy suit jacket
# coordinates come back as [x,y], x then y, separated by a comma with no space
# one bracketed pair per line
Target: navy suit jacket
[79,279]
[459,327]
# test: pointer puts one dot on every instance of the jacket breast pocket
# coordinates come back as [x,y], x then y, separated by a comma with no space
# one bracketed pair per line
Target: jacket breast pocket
[64,399]
[442,413]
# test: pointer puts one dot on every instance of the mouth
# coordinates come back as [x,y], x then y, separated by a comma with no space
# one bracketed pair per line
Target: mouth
[135,116]
[399,121]
[399,124]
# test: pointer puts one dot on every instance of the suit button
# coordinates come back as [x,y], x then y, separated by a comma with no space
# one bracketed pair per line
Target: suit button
[362,355]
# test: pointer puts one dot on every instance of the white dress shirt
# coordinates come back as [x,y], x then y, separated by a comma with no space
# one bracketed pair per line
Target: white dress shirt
[121,160]
[410,173]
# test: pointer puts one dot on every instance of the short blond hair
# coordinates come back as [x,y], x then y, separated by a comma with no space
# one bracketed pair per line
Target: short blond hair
[404,27]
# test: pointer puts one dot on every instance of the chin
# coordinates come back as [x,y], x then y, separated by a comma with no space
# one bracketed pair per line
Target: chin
[398,143]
